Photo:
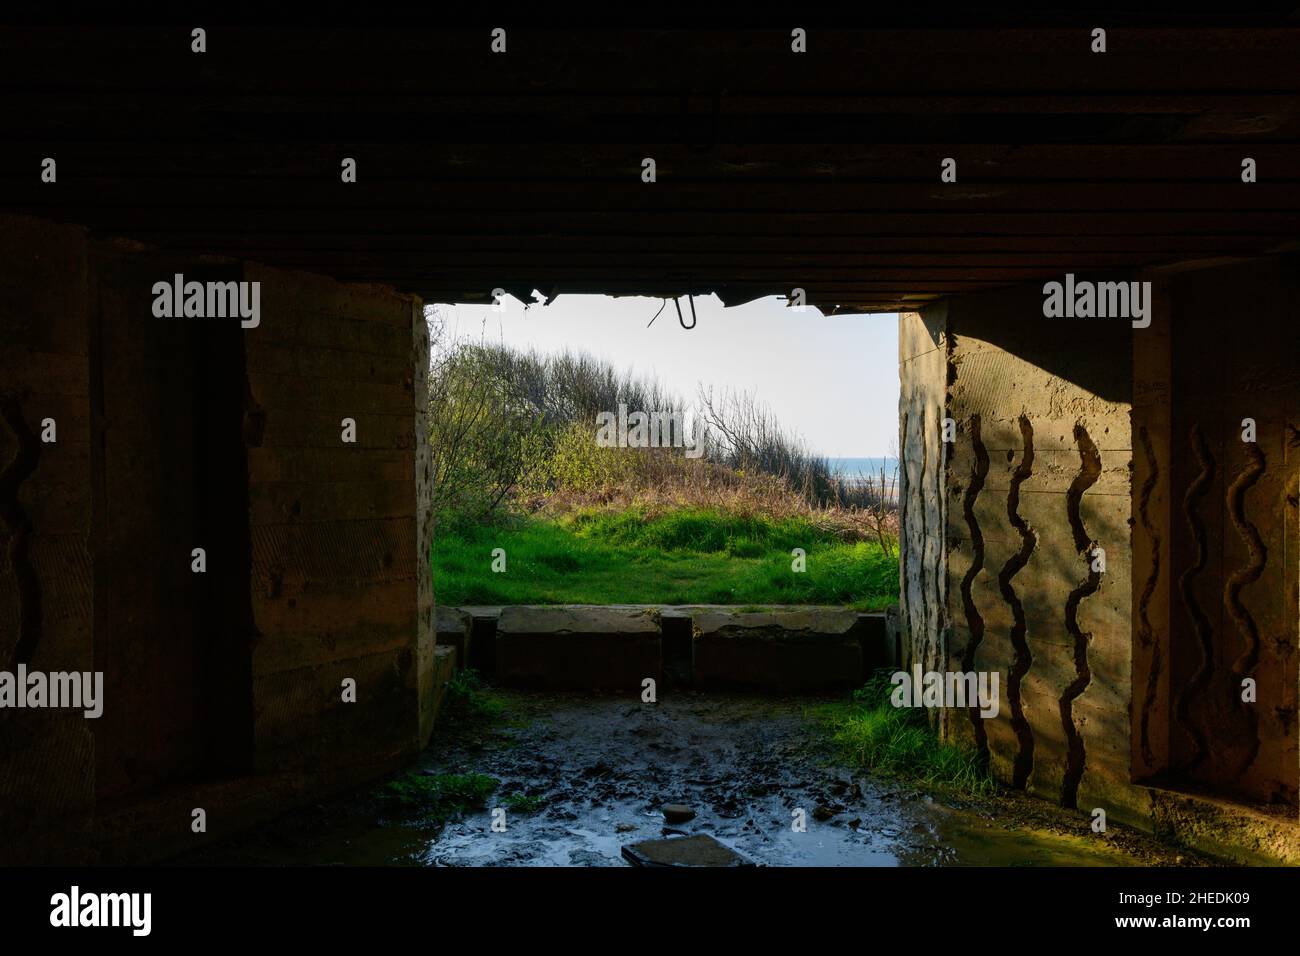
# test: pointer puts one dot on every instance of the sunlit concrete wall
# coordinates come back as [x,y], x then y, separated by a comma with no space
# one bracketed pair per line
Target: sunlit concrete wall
[1121,688]
[1035,479]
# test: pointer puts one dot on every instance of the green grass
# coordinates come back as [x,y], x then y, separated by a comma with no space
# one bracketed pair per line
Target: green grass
[523,803]
[468,694]
[690,556]
[871,733]
[438,797]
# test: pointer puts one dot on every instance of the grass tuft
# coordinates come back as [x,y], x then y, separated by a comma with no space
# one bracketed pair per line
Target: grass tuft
[870,732]
[468,694]
[523,803]
[439,797]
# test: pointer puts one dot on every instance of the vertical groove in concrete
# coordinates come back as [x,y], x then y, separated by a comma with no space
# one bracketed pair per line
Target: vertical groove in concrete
[1022,658]
[1191,499]
[1146,633]
[1244,665]
[1076,755]
[975,622]
[19,525]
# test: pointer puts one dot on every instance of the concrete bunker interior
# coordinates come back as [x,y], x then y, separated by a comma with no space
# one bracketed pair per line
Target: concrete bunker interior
[1123,687]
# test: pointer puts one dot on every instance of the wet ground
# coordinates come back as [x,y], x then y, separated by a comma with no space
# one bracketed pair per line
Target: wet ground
[579,777]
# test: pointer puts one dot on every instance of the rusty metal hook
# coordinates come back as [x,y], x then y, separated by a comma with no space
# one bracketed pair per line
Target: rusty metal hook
[680,318]
[681,321]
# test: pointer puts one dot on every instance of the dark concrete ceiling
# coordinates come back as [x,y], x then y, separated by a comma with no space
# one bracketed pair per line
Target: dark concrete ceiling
[775,170]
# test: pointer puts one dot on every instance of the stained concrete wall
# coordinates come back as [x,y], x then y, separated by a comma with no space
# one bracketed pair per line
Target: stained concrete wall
[1216,537]
[183,433]
[922,357]
[168,476]
[1038,474]
[1120,689]
[336,560]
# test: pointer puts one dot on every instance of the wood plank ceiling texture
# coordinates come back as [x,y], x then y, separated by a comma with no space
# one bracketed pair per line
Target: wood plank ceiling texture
[775,169]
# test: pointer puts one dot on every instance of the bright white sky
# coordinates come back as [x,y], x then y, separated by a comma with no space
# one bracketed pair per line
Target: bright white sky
[832,379]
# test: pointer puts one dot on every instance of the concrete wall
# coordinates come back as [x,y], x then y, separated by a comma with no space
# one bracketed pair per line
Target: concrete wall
[182,433]
[168,475]
[1073,434]
[923,369]
[1216,536]
[47,772]
[335,556]
[1038,474]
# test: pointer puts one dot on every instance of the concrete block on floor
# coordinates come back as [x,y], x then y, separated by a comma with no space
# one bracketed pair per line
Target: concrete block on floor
[579,648]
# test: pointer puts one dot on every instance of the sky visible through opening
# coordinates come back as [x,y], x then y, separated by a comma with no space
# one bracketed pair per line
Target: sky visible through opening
[831,379]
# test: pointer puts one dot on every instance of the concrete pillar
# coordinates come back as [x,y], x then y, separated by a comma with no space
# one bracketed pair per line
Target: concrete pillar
[335,535]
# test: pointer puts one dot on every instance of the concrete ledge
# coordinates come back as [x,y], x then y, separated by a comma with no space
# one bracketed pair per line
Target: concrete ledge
[582,648]
[616,646]
[1226,830]
[788,650]
[453,627]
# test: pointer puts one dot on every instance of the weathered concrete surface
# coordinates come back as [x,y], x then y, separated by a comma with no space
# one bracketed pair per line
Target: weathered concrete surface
[170,475]
[783,647]
[1225,829]
[1232,594]
[778,650]
[336,537]
[1063,444]
[577,647]
[441,671]
[1037,476]
[176,434]
[47,757]
[922,369]
[698,850]
[453,626]
[427,687]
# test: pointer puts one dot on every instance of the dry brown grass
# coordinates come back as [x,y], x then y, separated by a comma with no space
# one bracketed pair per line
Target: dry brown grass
[663,482]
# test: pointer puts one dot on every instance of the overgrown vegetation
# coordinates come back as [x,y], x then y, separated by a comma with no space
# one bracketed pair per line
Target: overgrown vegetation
[517,466]
[870,732]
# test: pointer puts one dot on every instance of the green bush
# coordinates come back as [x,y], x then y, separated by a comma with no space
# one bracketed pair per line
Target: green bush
[567,456]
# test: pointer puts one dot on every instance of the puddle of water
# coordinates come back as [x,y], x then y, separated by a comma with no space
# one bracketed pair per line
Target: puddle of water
[602,768]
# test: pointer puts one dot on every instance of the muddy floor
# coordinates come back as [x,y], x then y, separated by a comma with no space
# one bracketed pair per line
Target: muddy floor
[579,777]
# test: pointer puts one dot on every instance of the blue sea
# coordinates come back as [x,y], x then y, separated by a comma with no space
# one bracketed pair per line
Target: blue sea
[851,469]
